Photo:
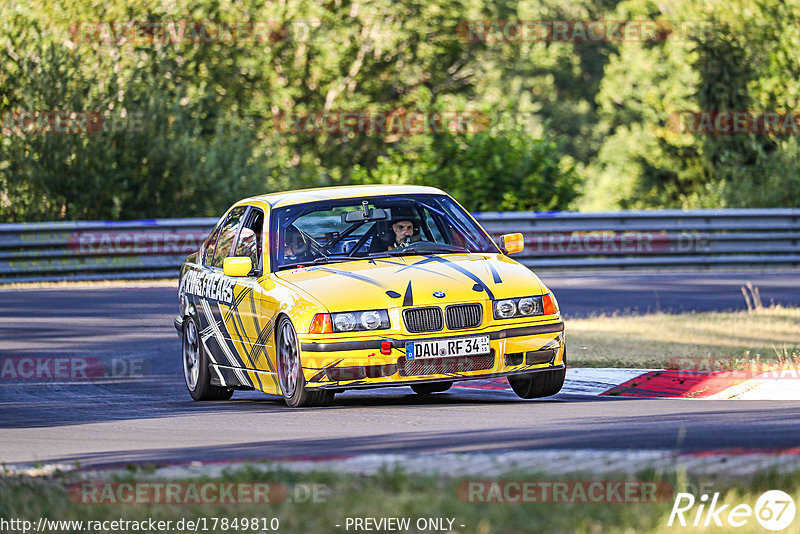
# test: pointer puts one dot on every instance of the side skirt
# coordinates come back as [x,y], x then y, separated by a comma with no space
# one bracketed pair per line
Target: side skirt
[227,376]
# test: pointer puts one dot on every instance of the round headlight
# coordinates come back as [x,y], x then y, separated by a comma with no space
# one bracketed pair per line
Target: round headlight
[344,322]
[371,320]
[527,306]
[505,308]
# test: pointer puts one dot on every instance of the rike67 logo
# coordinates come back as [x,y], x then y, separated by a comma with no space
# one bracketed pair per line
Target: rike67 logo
[774,510]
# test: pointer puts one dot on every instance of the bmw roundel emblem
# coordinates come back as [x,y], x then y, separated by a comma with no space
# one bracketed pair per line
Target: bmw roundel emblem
[439,294]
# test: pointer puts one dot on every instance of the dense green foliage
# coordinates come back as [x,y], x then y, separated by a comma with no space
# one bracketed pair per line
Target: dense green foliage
[572,124]
[488,171]
[739,59]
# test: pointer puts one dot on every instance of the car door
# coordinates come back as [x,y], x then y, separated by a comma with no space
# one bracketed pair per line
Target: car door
[249,317]
[247,331]
[214,293]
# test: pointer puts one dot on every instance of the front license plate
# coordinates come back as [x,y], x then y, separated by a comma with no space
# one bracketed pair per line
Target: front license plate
[442,348]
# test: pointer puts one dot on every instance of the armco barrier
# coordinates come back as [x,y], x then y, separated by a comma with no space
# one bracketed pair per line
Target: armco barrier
[98,250]
[700,239]
[697,239]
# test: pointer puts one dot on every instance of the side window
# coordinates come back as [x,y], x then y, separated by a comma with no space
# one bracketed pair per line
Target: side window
[227,235]
[455,237]
[209,244]
[249,242]
[433,227]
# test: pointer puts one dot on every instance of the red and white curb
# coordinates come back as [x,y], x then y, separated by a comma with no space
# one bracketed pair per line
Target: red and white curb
[742,385]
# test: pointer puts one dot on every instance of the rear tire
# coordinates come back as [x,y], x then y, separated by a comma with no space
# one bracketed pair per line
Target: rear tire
[196,372]
[290,371]
[537,385]
[428,389]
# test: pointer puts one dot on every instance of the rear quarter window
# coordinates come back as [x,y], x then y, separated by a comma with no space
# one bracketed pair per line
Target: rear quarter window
[227,236]
[207,252]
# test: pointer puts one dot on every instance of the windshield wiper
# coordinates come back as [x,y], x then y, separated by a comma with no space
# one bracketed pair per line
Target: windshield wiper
[333,259]
[316,261]
[292,265]
[427,248]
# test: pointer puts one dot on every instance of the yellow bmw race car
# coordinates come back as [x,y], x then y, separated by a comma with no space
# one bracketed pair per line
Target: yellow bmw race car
[309,293]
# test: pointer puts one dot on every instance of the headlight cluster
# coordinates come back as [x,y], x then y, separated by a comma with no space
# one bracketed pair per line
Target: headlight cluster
[360,320]
[525,307]
[521,307]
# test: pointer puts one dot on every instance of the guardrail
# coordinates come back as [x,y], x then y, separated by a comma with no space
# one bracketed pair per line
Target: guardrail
[98,250]
[699,239]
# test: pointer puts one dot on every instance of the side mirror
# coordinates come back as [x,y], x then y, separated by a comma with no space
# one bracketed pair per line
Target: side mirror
[240,266]
[512,243]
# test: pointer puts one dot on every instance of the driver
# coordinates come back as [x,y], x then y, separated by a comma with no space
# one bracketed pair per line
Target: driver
[403,231]
[294,244]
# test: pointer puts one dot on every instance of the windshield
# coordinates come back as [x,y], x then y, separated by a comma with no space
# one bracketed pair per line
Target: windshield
[341,230]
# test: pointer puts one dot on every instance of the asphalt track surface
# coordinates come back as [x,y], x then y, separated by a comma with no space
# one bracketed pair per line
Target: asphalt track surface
[151,418]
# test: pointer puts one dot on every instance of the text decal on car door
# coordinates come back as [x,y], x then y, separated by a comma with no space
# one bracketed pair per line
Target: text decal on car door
[212,286]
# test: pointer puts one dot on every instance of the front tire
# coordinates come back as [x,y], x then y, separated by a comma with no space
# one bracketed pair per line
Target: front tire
[290,371]
[196,372]
[537,385]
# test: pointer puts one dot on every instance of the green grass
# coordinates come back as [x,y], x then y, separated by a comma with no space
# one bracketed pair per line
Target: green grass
[766,337]
[391,494]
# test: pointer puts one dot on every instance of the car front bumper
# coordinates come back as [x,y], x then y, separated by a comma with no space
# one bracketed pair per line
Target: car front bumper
[349,364]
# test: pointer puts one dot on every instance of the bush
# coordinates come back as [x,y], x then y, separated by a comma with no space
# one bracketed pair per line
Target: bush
[509,171]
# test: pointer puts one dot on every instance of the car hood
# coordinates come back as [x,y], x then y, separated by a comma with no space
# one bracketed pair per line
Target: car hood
[413,280]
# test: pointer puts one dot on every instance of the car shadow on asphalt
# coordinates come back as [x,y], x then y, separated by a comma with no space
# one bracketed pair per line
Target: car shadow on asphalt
[25,405]
[686,430]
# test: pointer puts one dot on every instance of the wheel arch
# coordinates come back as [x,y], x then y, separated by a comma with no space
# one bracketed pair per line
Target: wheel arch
[189,311]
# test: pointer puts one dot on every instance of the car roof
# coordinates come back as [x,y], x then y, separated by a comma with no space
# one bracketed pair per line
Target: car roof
[301,196]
